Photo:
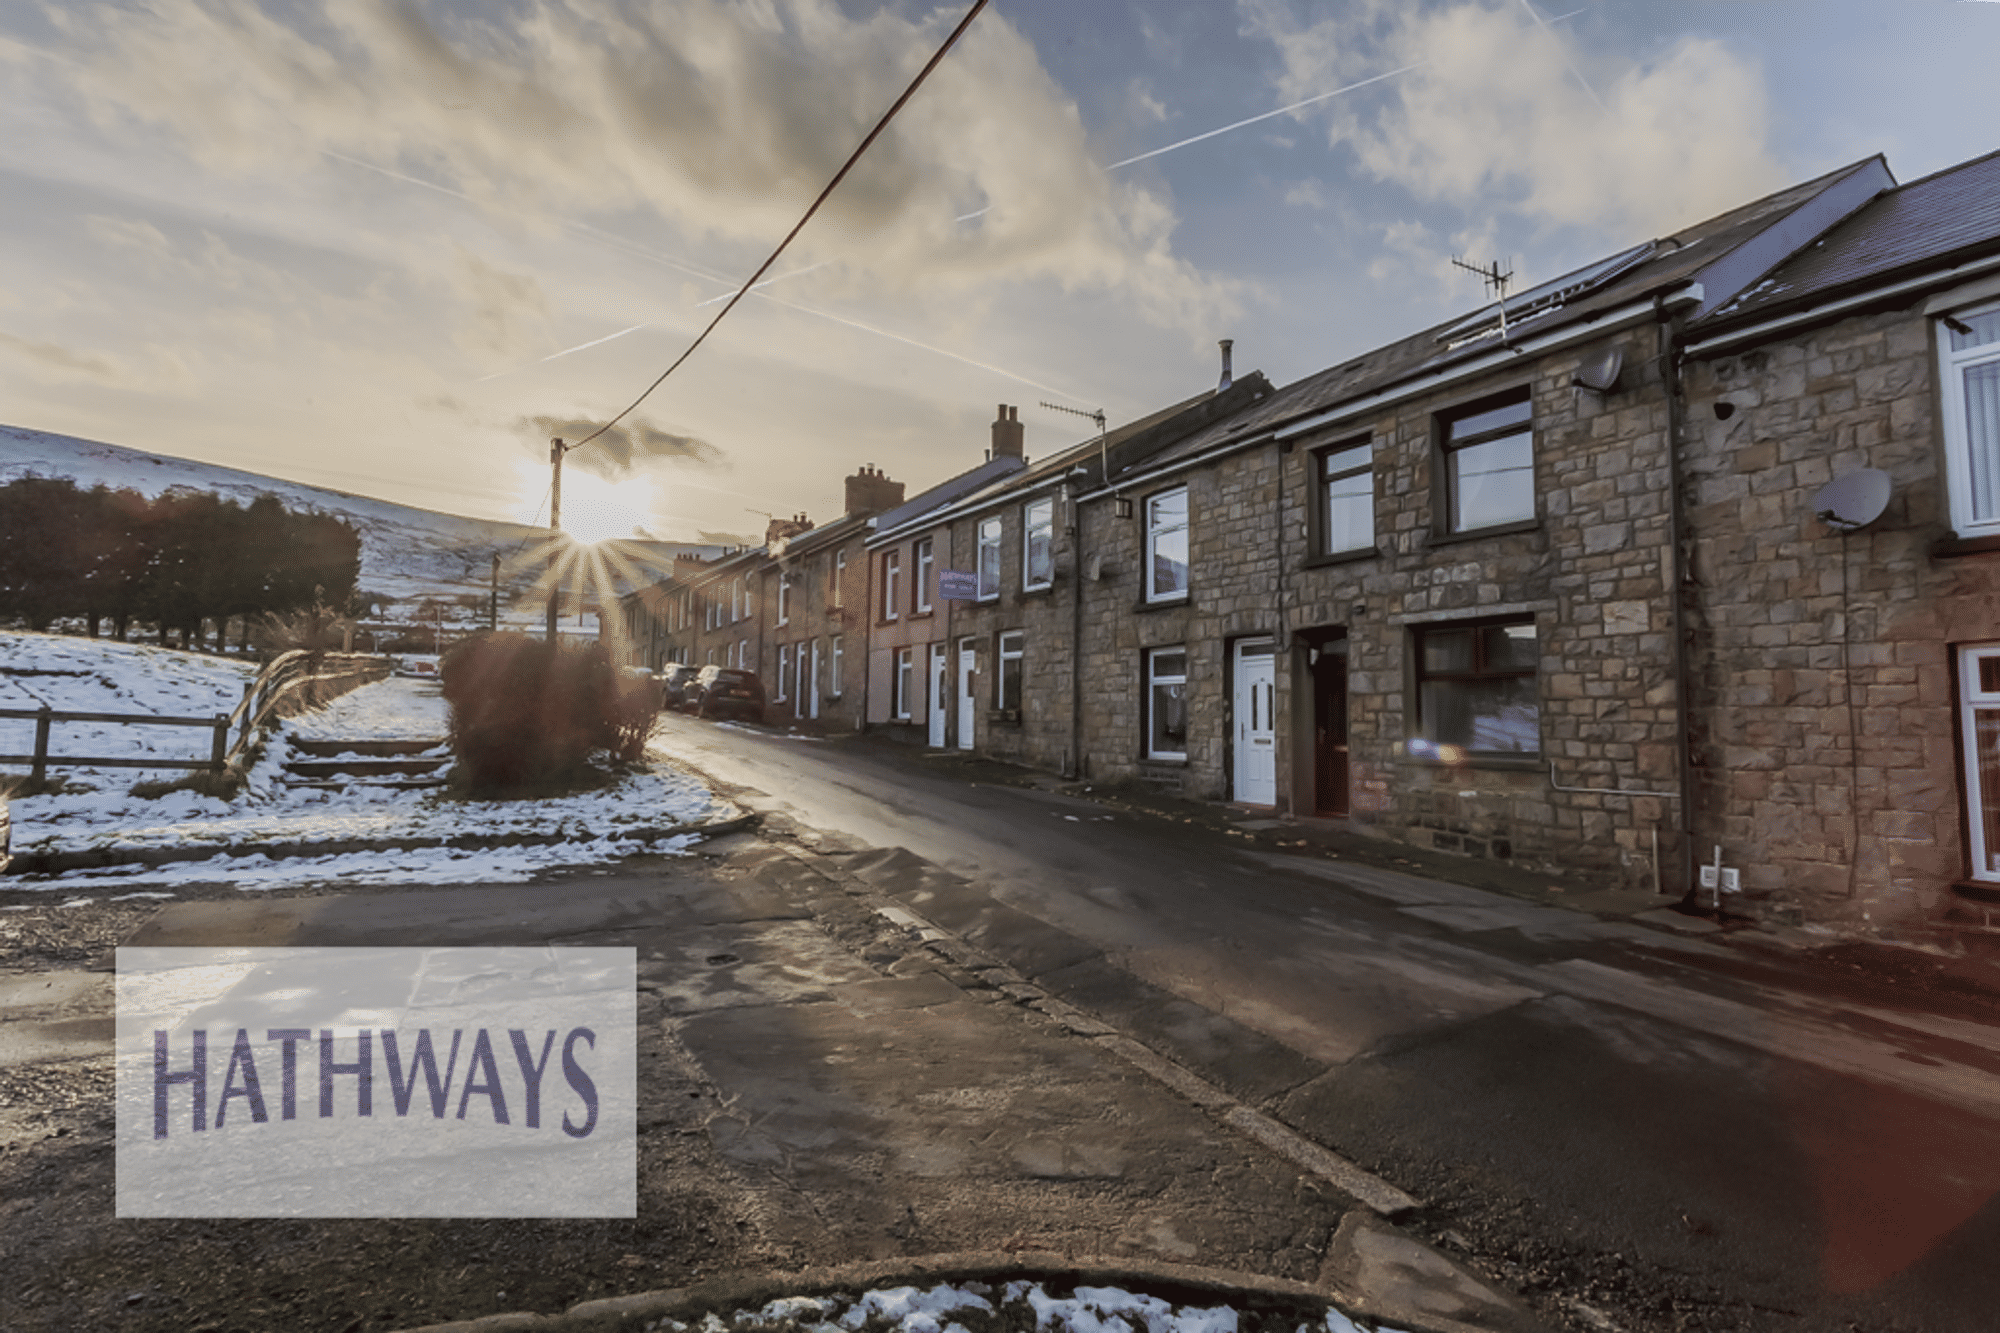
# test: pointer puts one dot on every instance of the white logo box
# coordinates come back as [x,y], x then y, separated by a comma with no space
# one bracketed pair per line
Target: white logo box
[499,1082]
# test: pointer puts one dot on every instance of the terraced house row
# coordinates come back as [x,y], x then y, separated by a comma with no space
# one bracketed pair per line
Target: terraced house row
[1690,558]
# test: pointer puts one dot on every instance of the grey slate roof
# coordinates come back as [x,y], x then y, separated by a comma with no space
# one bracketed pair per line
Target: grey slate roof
[947,491]
[1689,255]
[1921,225]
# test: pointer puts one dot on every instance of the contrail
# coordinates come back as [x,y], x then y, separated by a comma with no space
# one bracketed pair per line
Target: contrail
[776,277]
[1283,110]
[595,342]
[1574,71]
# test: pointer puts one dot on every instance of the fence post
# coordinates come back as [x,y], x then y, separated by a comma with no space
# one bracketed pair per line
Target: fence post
[40,771]
[218,751]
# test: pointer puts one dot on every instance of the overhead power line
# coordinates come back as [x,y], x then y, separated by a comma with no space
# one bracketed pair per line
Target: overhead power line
[831,186]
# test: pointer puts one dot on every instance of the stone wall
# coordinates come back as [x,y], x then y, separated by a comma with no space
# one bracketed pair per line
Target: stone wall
[1827,747]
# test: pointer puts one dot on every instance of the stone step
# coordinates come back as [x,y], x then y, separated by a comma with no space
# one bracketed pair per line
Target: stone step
[379,749]
[364,768]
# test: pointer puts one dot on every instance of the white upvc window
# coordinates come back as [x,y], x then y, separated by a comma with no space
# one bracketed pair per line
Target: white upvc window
[1167,545]
[892,584]
[1038,532]
[905,674]
[1166,703]
[989,558]
[784,668]
[1979,708]
[926,563]
[839,598]
[833,667]
[784,599]
[1007,682]
[1969,347]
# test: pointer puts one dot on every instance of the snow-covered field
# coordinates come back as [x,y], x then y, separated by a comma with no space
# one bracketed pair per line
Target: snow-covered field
[97,811]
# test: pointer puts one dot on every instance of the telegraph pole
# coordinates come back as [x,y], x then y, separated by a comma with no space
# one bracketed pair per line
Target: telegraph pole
[556,451]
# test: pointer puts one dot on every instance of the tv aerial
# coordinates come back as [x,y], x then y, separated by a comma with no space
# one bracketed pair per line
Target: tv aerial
[1496,282]
[1853,500]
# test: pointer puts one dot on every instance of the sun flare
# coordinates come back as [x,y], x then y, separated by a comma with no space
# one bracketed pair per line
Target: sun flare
[593,509]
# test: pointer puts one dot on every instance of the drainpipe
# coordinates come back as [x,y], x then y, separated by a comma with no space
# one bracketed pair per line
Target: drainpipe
[1075,511]
[1282,643]
[1669,327]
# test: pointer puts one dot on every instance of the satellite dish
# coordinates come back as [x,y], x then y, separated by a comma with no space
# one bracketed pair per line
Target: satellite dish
[1854,499]
[1600,373]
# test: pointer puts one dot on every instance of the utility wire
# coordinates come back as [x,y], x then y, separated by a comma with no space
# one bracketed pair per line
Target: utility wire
[831,186]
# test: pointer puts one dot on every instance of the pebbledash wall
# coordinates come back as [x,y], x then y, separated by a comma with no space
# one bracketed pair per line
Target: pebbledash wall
[1589,571]
[1827,728]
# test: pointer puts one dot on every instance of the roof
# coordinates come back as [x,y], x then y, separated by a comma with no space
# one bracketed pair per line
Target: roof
[1926,224]
[1724,248]
[947,491]
[814,539]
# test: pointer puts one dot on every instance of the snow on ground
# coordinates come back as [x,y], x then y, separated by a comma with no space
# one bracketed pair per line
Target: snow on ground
[103,676]
[98,811]
[949,1309]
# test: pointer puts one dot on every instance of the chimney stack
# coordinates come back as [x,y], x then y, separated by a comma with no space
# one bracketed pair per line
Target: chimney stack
[870,492]
[1227,378]
[1007,433]
[784,529]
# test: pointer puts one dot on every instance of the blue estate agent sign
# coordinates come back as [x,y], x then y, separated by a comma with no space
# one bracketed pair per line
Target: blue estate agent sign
[377,1082]
[958,585]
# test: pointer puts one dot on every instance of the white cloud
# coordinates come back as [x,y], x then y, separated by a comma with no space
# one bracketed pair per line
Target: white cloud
[1495,116]
[721,119]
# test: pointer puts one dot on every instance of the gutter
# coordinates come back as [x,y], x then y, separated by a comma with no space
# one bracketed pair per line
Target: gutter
[1723,342]
[1398,391]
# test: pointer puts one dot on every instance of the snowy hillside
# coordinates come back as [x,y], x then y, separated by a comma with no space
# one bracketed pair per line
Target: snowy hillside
[406,553]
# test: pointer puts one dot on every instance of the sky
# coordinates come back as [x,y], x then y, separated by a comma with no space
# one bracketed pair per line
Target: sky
[394,246]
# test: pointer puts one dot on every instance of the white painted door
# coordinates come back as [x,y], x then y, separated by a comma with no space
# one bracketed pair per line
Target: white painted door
[940,691]
[1256,727]
[967,658]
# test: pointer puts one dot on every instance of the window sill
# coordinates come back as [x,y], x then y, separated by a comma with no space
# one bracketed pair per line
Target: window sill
[1510,763]
[1341,557]
[1950,548]
[1038,590]
[1476,534]
[1165,603]
[1167,760]
[1004,716]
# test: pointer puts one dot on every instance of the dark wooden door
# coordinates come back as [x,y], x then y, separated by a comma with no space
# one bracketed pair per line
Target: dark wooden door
[1330,730]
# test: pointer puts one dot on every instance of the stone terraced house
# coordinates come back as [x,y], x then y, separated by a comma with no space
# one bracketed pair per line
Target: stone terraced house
[1557,583]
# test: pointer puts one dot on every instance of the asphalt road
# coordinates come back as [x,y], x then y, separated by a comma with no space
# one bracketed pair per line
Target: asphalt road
[1699,1132]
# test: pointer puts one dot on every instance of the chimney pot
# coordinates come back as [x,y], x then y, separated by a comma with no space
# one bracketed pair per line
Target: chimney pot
[1007,434]
[1227,377]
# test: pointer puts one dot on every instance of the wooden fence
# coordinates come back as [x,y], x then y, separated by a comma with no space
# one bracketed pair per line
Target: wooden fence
[291,683]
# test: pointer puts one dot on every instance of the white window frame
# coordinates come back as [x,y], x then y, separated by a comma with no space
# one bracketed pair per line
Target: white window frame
[1038,517]
[1966,480]
[926,562]
[892,583]
[1981,782]
[1012,649]
[784,599]
[905,673]
[839,598]
[1158,529]
[833,667]
[1154,680]
[784,662]
[987,539]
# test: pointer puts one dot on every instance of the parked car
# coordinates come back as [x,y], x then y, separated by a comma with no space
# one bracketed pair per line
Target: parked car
[424,667]
[6,833]
[674,679]
[727,692]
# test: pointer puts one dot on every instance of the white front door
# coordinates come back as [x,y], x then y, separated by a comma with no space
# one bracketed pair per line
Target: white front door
[1256,726]
[812,706]
[967,658]
[940,691]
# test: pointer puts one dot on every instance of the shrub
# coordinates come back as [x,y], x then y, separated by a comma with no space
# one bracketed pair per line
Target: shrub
[527,715]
